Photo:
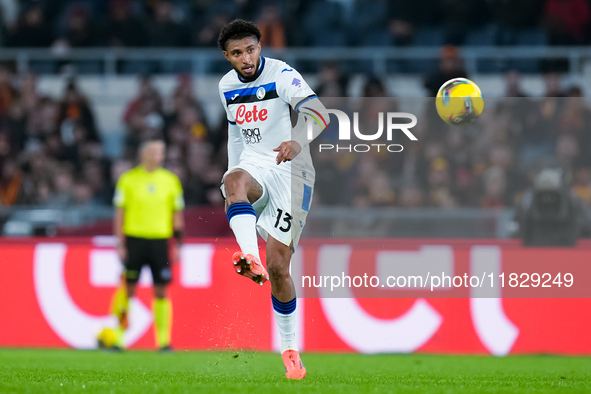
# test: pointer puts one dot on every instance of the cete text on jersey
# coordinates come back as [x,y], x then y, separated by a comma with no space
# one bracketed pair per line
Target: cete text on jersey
[244,115]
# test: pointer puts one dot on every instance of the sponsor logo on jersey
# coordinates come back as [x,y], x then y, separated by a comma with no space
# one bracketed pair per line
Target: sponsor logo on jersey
[243,115]
[252,136]
[296,82]
[261,93]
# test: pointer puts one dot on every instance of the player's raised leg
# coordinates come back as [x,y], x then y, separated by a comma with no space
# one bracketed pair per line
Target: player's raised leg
[284,300]
[241,191]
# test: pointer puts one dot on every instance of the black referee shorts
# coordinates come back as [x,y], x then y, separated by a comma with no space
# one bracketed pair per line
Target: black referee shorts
[151,252]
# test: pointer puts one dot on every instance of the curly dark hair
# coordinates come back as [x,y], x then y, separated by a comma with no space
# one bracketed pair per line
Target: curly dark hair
[237,30]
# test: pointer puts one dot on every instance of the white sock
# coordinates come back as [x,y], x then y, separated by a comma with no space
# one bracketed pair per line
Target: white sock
[287,330]
[245,231]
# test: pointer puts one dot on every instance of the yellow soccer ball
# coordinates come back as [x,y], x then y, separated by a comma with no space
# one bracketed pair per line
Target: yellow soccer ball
[459,102]
[106,338]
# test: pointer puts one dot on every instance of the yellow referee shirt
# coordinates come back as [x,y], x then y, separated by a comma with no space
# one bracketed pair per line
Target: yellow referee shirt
[149,200]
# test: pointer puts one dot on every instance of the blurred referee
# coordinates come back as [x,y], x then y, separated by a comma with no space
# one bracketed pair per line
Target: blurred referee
[149,202]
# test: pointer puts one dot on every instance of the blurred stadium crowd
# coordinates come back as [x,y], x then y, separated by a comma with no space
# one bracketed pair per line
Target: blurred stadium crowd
[181,23]
[51,153]
[489,164]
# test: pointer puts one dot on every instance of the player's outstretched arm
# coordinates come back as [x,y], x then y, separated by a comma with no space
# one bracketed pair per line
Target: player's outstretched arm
[235,145]
[294,91]
[235,142]
[307,128]
[313,119]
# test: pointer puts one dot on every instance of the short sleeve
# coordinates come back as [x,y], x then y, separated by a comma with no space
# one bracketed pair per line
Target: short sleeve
[179,200]
[291,84]
[120,197]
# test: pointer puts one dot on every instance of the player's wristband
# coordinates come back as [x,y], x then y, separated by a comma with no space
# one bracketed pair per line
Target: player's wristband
[179,235]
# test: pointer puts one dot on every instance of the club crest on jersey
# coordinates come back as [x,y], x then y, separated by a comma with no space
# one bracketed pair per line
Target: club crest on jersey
[261,93]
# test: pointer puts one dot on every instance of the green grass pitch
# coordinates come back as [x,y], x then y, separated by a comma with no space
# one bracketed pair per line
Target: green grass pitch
[71,371]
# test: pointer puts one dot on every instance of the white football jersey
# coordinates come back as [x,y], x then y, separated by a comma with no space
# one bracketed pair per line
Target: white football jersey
[259,115]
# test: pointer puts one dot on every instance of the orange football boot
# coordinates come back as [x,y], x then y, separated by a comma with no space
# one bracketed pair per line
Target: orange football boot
[250,266]
[294,367]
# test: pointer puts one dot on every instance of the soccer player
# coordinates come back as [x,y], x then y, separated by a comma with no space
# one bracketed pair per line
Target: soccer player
[268,185]
[149,202]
